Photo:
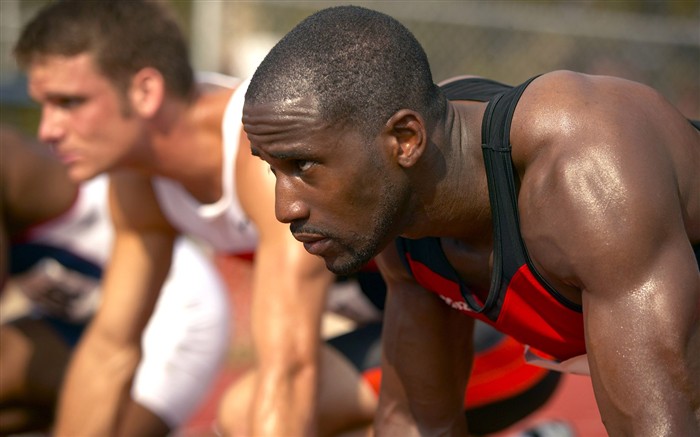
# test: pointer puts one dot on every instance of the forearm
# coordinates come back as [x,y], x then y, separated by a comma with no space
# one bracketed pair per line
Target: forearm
[96,385]
[285,402]
[394,418]
[394,425]
[285,397]
[427,353]
[395,414]
[99,376]
[287,309]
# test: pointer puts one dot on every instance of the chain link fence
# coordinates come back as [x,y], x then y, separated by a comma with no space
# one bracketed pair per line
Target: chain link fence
[654,42]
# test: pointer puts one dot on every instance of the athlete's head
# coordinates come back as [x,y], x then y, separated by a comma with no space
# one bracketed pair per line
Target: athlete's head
[122,36]
[99,69]
[326,108]
[361,65]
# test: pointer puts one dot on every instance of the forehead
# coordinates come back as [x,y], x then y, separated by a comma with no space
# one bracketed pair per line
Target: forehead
[69,75]
[279,117]
[288,124]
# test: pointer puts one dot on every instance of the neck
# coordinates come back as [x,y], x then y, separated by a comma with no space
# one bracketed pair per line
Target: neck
[187,144]
[456,202]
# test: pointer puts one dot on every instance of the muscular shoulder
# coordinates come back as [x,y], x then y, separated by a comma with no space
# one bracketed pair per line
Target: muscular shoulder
[27,173]
[598,166]
[570,127]
[566,105]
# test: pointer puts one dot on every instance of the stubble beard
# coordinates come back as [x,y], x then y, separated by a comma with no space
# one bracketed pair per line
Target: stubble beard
[362,248]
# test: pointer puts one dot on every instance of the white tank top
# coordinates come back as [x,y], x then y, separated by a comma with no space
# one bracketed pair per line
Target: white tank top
[63,257]
[85,229]
[222,224]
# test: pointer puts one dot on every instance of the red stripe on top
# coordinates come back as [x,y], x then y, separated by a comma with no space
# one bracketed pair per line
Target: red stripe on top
[529,313]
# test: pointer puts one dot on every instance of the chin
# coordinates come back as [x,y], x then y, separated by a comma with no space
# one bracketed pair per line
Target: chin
[347,267]
[79,175]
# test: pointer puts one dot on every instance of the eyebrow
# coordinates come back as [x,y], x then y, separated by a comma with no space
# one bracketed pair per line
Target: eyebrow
[282,155]
[64,96]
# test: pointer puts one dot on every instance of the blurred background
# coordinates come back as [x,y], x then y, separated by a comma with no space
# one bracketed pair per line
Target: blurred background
[654,42]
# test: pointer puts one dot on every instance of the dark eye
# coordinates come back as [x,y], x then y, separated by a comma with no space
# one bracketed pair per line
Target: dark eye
[68,102]
[304,165]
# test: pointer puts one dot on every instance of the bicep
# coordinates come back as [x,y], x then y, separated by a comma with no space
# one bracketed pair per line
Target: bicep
[641,295]
[642,326]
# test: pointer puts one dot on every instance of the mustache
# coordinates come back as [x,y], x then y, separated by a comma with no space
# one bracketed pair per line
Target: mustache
[304,228]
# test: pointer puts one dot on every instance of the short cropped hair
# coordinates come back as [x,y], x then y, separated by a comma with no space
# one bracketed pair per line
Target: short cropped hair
[124,36]
[361,65]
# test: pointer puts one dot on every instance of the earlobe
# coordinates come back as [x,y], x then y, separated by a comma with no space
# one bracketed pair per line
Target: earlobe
[408,136]
[147,91]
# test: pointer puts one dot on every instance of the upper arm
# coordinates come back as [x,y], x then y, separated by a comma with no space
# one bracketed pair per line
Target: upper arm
[647,294]
[615,231]
[427,350]
[35,185]
[140,258]
[34,188]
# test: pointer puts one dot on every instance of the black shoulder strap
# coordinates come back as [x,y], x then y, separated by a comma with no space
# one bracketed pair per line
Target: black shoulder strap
[498,116]
[509,251]
[473,88]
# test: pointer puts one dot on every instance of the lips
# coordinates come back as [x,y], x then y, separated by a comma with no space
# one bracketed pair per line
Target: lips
[68,158]
[64,156]
[314,244]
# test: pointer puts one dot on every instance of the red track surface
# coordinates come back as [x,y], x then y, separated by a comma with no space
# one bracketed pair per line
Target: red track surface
[573,401]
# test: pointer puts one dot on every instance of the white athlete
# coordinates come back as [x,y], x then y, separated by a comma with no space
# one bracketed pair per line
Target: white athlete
[185,339]
[179,163]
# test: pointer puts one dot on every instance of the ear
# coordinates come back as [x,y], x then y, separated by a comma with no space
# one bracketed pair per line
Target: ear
[405,132]
[147,92]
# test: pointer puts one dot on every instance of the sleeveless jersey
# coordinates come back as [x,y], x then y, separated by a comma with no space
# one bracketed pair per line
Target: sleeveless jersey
[222,224]
[519,302]
[58,264]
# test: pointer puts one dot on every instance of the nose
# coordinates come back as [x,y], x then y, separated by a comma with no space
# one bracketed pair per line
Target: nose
[288,207]
[50,130]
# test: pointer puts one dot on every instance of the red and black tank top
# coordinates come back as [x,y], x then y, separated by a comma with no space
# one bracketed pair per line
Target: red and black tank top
[519,302]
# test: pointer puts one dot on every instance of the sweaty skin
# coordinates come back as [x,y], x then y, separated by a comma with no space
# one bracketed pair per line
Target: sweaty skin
[93,128]
[609,204]
[27,391]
